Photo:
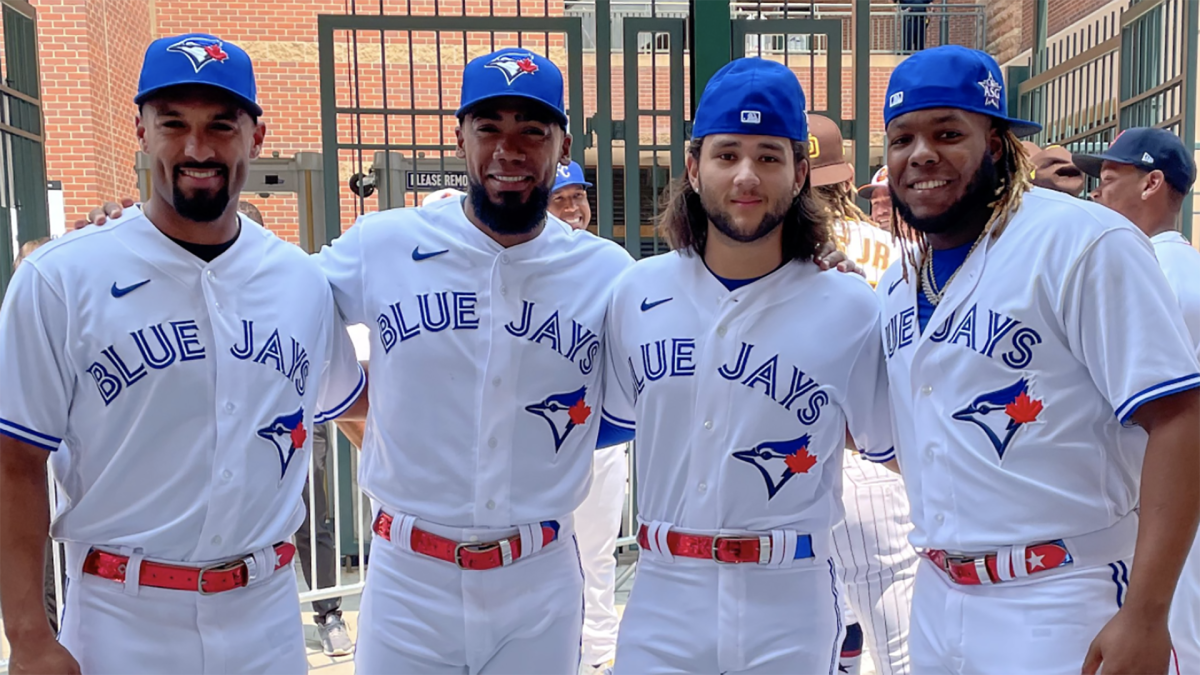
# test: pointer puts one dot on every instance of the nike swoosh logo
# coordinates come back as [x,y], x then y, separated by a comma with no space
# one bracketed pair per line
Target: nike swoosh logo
[647,305]
[417,255]
[894,285]
[119,292]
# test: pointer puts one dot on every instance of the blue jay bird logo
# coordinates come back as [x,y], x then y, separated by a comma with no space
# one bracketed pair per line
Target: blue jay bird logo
[288,435]
[563,412]
[1002,413]
[200,51]
[778,461]
[513,66]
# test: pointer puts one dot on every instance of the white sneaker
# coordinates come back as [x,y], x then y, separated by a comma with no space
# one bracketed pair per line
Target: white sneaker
[335,640]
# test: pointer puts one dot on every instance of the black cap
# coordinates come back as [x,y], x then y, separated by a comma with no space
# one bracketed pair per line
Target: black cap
[1148,149]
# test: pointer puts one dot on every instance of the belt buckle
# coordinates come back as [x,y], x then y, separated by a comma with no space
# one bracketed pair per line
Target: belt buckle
[226,566]
[474,548]
[716,542]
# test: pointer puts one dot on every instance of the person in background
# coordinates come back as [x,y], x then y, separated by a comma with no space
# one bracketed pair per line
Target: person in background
[1055,170]
[914,21]
[335,640]
[598,518]
[880,196]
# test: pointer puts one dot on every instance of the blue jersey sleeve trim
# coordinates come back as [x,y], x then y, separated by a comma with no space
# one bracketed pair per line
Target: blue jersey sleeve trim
[613,419]
[611,434]
[336,411]
[26,435]
[1127,409]
[880,457]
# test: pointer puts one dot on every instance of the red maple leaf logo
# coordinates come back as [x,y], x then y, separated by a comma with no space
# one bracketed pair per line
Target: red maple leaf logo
[527,65]
[580,412]
[214,51]
[1024,410]
[299,435]
[801,461]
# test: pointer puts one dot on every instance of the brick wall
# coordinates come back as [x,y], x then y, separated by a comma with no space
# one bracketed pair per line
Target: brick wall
[1062,13]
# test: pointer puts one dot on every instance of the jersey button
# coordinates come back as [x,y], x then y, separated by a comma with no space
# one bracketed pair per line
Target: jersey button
[491,505]
[217,306]
[495,381]
[210,275]
[229,407]
[227,475]
[504,290]
[707,424]
[927,390]
[492,442]
[929,455]
[504,258]
[721,330]
[216,540]
[702,488]
[940,518]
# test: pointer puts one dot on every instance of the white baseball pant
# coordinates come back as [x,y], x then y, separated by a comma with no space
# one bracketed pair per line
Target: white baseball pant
[1040,625]
[420,615]
[597,524]
[877,563]
[154,630]
[697,616]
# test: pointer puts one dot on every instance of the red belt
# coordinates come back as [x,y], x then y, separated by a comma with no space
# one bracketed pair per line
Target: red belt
[207,580]
[481,556]
[967,571]
[721,549]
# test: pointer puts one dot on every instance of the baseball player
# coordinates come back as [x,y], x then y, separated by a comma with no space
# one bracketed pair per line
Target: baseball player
[486,357]
[167,353]
[1030,412]
[871,547]
[741,408]
[1145,175]
[598,518]
[880,196]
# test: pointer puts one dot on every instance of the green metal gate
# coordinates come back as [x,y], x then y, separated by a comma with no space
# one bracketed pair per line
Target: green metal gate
[1137,68]
[23,207]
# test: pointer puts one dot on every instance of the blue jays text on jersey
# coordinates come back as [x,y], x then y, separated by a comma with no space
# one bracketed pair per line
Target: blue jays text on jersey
[678,360]
[972,330]
[179,340]
[457,310]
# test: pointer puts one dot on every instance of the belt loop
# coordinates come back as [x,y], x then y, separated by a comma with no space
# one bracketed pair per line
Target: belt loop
[1004,563]
[402,527]
[981,571]
[506,555]
[133,569]
[658,537]
[783,548]
[532,539]
[1020,570]
[260,565]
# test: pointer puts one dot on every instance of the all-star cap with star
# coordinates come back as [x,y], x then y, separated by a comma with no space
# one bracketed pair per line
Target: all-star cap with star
[752,97]
[513,72]
[951,77]
[198,59]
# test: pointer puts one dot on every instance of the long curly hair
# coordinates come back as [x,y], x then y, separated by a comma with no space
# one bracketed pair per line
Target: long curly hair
[839,203]
[683,223]
[1014,171]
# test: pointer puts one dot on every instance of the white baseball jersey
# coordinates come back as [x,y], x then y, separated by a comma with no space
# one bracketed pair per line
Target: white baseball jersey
[486,362]
[1012,408]
[871,247]
[186,391]
[742,399]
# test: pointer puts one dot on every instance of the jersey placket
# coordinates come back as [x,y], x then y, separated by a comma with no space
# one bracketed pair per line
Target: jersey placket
[494,451]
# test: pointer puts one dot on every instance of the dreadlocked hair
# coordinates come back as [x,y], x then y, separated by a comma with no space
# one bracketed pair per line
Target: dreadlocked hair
[838,200]
[1014,171]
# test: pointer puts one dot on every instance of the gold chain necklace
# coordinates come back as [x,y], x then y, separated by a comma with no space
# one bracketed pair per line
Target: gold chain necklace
[929,283]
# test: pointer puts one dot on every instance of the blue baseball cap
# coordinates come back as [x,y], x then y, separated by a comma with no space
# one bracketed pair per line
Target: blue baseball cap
[1148,149]
[571,174]
[753,97]
[198,59]
[951,77]
[513,72]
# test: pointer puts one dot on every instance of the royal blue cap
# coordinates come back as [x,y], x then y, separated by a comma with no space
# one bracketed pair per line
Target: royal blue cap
[753,97]
[201,59]
[951,77]
[513,72]
[571,174]
[1148,149]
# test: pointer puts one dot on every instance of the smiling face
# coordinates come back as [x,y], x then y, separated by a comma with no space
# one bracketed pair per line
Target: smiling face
[512,147]
[941,167]
[200,142]
[746,183]
[570,205]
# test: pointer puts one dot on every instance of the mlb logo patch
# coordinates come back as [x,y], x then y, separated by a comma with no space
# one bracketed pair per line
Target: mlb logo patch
[896,99]
[751,117]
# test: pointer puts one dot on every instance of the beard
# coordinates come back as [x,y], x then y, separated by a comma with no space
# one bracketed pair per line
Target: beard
[723,221]
[202,206]
[971,208]
[511,216]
